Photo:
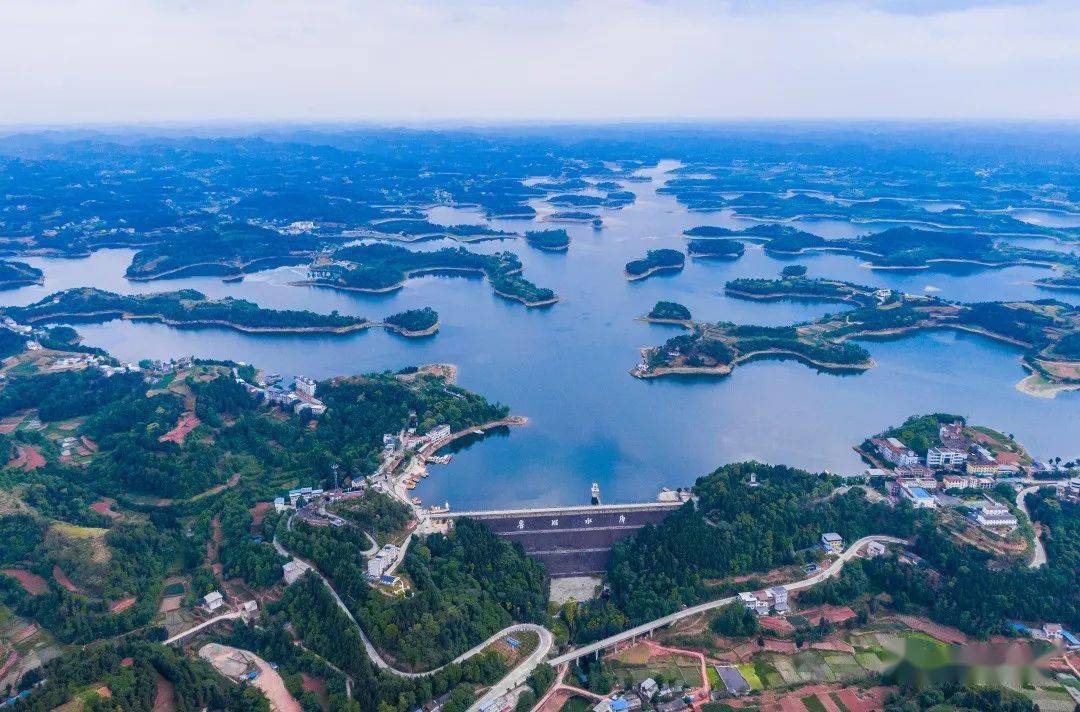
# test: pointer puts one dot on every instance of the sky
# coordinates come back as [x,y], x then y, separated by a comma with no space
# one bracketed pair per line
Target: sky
[78,62]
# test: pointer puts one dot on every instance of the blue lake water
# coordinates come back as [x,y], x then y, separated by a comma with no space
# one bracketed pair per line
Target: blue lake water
[566,367]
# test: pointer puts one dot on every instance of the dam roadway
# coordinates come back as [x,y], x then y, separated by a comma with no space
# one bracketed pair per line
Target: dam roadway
[570,541]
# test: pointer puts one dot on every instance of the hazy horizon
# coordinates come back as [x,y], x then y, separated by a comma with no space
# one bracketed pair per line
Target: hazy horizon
[89,63]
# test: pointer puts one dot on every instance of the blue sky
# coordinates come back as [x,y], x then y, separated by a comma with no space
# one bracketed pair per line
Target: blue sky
[107,61]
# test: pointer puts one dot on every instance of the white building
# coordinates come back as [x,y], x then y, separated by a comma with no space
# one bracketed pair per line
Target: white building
[213,601]
[993,515]
[779,596]
[442,431]
[753,603]
[832,543]
[895,451]
[875,549]
[919,497]
[305,386]
[944,457]
[292,570]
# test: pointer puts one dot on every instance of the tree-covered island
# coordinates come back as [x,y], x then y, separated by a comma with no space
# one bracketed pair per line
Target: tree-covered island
[189,308]
[669,312]
[549,240]
[716,249]
[1047,330]
[18,274]
[385,268]
[661,260]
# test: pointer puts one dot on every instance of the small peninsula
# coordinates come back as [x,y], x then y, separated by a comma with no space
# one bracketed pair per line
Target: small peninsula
[1068,282]
[548,240]
[385,268]
[662,260]
[1047,330]
[18,274]
[418,230]
[189,308]
[228,250]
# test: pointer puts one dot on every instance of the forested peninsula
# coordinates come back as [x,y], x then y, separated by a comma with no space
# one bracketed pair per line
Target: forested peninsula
[189,308]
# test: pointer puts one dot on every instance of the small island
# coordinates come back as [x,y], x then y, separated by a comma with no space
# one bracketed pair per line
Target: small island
[668,313]
[662,260]
[1047,330]
[716,249]
[414,322]
[381,267]
[896,248]
[548,240]
[188,308]
[18,274]
[576,216]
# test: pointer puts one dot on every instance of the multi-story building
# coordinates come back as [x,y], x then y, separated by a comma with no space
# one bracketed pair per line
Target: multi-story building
[944,457]
[919,497]
[895,451]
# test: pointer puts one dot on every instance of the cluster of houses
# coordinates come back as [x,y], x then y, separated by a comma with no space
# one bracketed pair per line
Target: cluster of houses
[301,399]
[957,451]
[762,602]
[1052,632]
[661,698]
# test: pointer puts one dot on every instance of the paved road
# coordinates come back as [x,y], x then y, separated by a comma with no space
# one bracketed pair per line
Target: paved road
[1039,557]
[649,627]
[233,615]
[516,676]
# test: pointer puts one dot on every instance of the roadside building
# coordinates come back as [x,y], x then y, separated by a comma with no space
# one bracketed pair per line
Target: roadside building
[305,386]
[292,570]
[832,543]
[753,603]
[213,601]
[778,595]
[875,549]
[955,482]
[994,515]
[919,497]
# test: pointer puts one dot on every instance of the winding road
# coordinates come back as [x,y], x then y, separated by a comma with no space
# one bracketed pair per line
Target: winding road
[1039,557]
[518,675]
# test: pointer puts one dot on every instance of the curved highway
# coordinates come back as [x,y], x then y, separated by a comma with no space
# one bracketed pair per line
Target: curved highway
[546,639]
[1038,558]
[518,675]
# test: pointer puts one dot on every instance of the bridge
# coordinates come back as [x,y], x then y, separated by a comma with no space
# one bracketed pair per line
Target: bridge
[570,541]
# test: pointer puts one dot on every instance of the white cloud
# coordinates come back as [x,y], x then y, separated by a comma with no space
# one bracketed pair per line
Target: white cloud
[77,61]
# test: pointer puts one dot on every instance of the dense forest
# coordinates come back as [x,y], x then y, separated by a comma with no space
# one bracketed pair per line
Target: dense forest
[468,586]
[669,310]
[736,528]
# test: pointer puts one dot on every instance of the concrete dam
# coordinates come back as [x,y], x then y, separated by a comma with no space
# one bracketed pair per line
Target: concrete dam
[570,541]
